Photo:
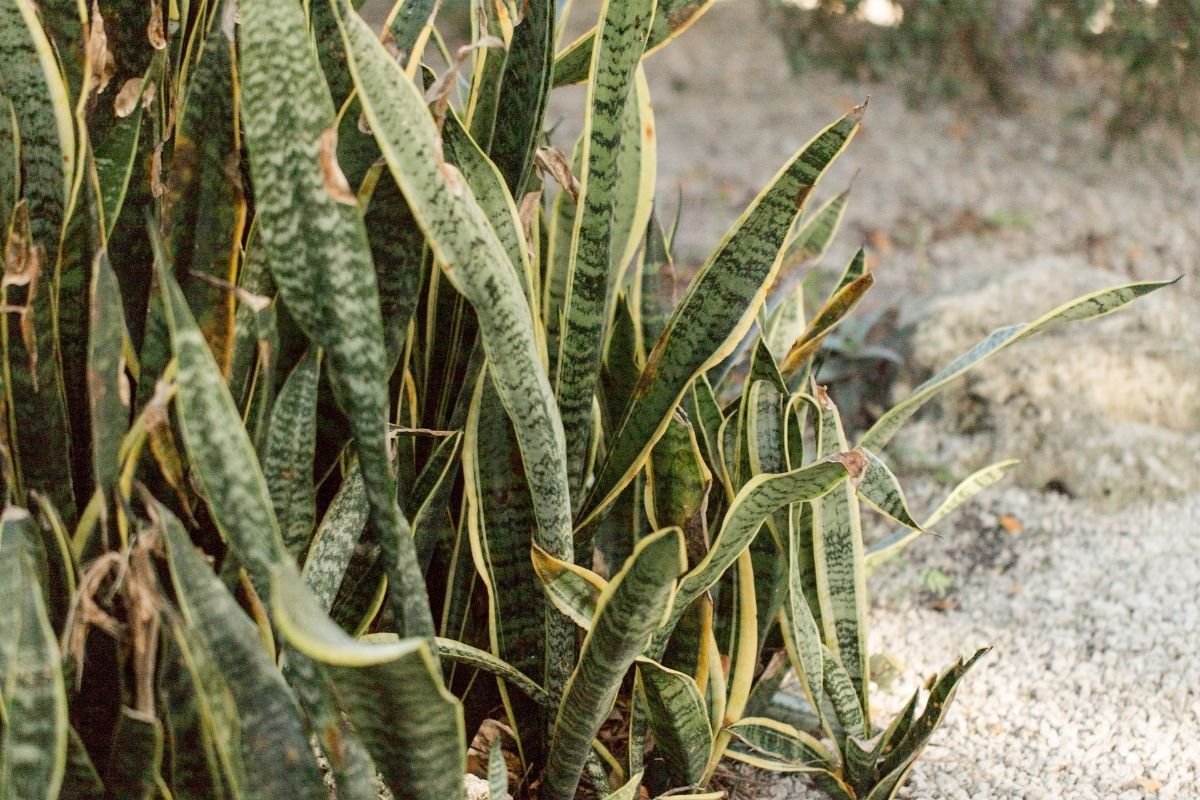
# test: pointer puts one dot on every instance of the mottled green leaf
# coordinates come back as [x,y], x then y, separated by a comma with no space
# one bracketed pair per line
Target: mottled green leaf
[574,590]
[273,741]
[136,757]
[291,448]
[378,681]
[1089,306]
[34,751]
[898,760]
[717,310]
[317,250]
[838,557]
[671,18]
[777,746]
[881,490]
[678,717]
[108,387]
[761,496]
[630,608]
[337,537]
[622,35]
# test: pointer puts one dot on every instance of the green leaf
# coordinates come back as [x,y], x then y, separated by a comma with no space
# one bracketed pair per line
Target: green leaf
[678,717]
[816,232]
[116,155]
[316,246]
[1089,306]
[844,695]
[34,751]
[838,557]
[474,261]
[803,628]
[136,757]
[523,94]
[761,496]
[622,36]
[501,520]
[628,790]
[222,457]
[630,608]
[460,653]
[273,737]
[108,387]
[880,488]
[378,681]
[291,448]
[497,772]
[204,206]
[716,312]
[80,779]
[777,746]
[898,760]
[38,437]
[201,717]
[671,18]
[574,590]
[340,531]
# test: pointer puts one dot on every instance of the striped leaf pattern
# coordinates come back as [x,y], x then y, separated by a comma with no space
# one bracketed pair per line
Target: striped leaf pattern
[717,310]
[629,609]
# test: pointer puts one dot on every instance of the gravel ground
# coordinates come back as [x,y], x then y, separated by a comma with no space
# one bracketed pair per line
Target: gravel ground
[1091,690]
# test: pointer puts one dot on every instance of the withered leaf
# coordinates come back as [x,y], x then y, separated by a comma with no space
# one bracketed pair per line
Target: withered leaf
[527,213]
[155,31]
[157,187]
[331,172]
[126,100]
[554,162]
[99,60]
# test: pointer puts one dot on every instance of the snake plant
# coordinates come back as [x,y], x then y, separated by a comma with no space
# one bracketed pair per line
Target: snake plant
[346,415]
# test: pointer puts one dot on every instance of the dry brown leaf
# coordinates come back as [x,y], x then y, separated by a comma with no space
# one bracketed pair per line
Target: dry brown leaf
[1146,784]
[155,31]
[527,213]
[438,93]
[23,259]
[331,172]
[148,94]
[157,187]
[554,162]
[99,59]
[126,100]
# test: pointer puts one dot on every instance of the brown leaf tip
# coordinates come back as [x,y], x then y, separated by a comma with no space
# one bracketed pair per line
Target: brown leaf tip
[855,461]
[856,113]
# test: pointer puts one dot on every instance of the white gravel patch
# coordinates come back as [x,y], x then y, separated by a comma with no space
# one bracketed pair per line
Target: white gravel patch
[1092,689]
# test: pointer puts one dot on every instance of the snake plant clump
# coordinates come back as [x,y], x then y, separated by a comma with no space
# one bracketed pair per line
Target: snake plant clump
[335,438]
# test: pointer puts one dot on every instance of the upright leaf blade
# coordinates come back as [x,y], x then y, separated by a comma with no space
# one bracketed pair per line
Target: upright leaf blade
[629,610]
[319,257]
[622,36]
[717,310]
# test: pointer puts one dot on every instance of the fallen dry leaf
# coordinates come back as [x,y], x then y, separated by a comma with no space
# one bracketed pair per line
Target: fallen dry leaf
[99,59]
[157,187]
[1011,524]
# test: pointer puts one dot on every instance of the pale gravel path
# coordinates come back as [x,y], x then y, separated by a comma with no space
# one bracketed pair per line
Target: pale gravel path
[1092,689]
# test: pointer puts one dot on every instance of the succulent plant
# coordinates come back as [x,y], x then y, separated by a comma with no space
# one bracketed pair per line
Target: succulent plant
[333,433]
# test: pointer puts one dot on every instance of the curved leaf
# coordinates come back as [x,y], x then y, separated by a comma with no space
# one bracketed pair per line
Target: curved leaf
[291,447]
[379,681]
[575,591]
[273,736]
[630,608]
[1089,306]
[317,250]
[678,717]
